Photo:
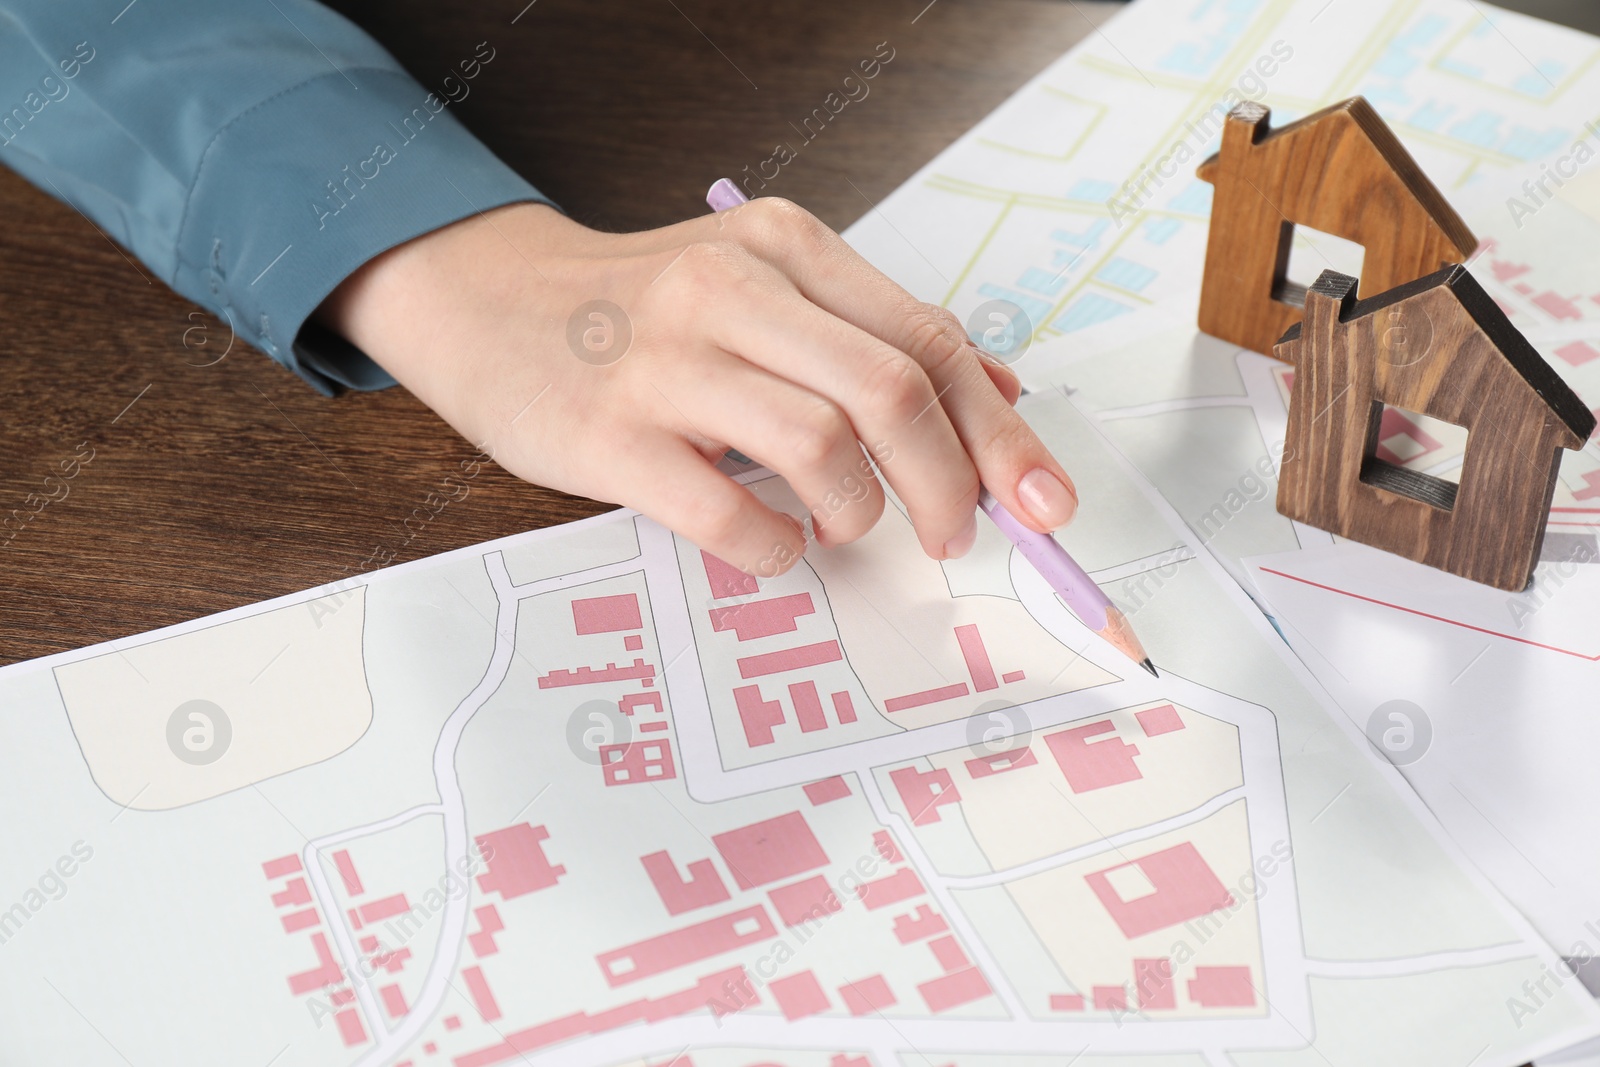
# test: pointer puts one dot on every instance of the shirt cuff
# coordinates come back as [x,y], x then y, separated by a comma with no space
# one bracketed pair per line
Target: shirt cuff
[298,192]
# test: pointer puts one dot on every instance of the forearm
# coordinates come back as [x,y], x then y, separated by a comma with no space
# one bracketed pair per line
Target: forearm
[253,156]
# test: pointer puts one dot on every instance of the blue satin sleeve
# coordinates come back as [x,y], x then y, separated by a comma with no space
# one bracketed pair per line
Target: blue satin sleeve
[252,154]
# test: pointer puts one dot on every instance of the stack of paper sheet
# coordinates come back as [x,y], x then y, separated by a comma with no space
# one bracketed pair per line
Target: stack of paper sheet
[590,796]
[1090,225]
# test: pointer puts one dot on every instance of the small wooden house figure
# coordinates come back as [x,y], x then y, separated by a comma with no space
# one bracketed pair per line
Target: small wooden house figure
[1341,171]
[1438,346]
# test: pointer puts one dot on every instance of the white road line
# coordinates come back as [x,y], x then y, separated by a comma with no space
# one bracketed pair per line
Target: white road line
[1164,407]
[1100,844]
[453,927]
[1433,961]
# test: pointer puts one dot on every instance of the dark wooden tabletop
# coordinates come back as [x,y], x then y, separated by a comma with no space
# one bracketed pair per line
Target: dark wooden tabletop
[219,480]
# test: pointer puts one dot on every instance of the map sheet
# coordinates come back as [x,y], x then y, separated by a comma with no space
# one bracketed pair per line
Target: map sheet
[1076,205]
[590,796]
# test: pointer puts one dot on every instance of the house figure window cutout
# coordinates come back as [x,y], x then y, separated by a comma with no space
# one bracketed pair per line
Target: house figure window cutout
[1438,346]
[1340,170]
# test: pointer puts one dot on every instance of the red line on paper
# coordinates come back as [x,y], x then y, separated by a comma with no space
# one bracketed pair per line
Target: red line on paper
[1435,618]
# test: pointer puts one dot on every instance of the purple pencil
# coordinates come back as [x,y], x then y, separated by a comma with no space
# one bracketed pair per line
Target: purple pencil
[1092,607]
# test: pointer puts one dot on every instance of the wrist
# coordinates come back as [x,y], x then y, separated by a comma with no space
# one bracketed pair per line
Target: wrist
[410,308]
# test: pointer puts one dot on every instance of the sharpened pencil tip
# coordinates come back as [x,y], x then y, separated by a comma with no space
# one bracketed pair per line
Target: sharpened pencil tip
[1151,667]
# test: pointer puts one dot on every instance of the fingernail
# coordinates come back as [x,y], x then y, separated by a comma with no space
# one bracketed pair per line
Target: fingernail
[1047,498]
[962,543]
[993,360]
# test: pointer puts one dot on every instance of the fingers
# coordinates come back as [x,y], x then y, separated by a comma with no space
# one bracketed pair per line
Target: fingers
[790,430]
[1015,465]
[1004,378]
[888,398]
[676,486]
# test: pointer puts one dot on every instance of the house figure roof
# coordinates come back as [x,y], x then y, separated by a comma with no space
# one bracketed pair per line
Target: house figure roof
[1341,171]
[1437,346]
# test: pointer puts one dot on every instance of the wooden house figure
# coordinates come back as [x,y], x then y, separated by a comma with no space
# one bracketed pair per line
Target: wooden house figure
[1438,346]
[1341,171]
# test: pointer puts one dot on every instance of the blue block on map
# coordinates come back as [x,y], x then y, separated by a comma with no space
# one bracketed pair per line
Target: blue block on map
[1386,98]
[1531,85]
[1042,281]
[1089,310]
[1431,115]
[1160,231]
[1126,274]
[1395,63]
[1091,189]
[1455,66]
[1426,31]
[1524,143]
[1086,239]
[1195,200]
[1482,129]
[1031,306]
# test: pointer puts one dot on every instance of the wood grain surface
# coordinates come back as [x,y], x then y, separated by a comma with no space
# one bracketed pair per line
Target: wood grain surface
[1340,171]
[213,483]
[1437,346]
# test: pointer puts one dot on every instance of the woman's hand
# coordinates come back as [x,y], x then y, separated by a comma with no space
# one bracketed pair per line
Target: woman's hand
[756,328]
